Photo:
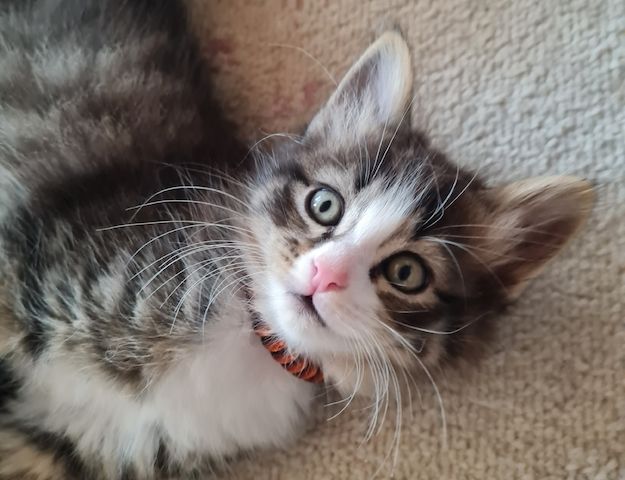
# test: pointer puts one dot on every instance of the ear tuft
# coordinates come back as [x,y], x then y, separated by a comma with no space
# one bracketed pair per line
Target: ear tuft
[373,95]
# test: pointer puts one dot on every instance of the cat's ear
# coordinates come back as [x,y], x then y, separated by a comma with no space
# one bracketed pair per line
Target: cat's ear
[532,221]
[373,96]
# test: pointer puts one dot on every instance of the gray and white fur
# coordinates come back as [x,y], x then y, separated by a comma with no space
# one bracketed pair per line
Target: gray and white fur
[137,238]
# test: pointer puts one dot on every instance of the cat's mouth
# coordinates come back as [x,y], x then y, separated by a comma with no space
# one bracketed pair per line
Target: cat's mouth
[309,307]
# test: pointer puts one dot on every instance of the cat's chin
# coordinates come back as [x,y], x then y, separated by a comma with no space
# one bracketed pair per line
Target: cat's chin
[304,323]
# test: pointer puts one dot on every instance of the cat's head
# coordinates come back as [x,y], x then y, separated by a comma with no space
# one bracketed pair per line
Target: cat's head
[371,243]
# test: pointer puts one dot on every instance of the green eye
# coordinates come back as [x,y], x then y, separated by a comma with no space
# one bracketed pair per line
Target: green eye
[405,271]
[325,206]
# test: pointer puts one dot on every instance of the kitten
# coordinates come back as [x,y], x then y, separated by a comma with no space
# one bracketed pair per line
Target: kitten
[165,304]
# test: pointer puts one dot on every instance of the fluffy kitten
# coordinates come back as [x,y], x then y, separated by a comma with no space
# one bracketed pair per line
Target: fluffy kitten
[139,251]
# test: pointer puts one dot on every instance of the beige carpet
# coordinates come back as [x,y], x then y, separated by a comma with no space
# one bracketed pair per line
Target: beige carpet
[518,88]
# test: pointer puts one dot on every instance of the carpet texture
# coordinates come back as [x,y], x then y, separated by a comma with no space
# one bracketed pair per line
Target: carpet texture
[515,88]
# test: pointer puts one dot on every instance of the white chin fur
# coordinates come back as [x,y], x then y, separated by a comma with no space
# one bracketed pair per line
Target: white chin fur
[343,314]
[302,332]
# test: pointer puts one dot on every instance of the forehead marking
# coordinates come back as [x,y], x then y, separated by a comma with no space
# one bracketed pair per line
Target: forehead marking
[383,215]
[282,209]
[295,172]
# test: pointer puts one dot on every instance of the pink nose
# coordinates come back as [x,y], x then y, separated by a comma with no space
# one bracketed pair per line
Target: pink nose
[328,275]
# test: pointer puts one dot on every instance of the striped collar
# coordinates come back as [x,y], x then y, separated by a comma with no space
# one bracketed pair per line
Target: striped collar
[294,364]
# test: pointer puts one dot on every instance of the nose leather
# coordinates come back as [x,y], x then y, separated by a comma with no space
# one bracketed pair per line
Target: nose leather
[329,274]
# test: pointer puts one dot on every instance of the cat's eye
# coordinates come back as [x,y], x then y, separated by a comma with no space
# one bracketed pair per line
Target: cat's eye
[405,271]
[325,206]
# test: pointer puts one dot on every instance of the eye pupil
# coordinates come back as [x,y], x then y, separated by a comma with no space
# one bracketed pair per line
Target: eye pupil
[325,206]
[404,272]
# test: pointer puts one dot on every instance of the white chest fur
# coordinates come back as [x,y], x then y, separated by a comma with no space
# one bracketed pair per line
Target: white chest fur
[227,395]
[232,395]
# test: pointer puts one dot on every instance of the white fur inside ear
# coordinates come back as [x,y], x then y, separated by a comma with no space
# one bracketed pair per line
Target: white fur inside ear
[373,95]
[392,78]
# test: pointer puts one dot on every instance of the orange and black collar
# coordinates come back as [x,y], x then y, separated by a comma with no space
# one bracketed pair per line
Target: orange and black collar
[294,364]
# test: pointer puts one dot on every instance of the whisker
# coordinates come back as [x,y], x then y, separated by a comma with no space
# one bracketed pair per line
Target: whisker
[441,204]
[469,183]
[454,259]
[468,250]
[441,332]
[290,136]
[309,55]
[399,124]
[185,201]
[499,227]
[193,187]
[143,224]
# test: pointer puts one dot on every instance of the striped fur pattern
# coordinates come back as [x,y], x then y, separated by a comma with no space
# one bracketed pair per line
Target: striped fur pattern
[131,224]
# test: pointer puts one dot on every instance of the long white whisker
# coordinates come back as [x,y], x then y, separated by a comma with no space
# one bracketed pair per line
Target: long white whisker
[438,332]
[399,124]
[143,224]
[194,187]
[186,201]
[441,205]
[309,55]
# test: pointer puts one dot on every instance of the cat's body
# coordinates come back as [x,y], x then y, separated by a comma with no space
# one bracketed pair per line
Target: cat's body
[92,122]
[126,340]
